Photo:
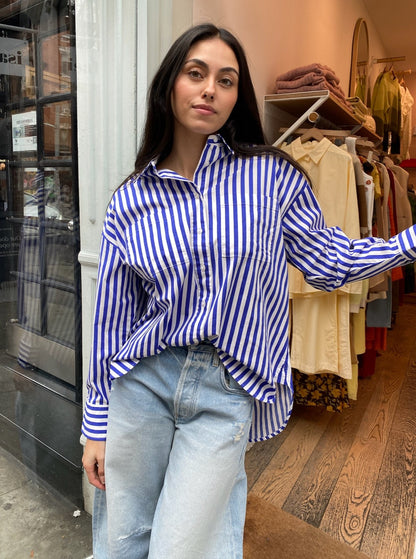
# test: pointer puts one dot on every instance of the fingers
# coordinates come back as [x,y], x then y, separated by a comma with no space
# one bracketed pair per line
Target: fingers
[93,462]
[101,473]
[95,475]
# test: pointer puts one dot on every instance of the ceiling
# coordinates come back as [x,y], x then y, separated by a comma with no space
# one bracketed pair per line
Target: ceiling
[396,24]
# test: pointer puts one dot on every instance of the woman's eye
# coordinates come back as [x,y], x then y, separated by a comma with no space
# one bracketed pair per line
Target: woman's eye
[195,74]
[227,82]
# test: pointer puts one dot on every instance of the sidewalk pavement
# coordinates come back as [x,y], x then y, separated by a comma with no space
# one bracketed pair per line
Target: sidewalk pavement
[35,522]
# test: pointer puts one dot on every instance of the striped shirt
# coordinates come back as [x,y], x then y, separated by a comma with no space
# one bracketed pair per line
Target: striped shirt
[183,261]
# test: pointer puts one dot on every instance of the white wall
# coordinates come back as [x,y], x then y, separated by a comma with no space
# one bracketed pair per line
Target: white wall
[279,35]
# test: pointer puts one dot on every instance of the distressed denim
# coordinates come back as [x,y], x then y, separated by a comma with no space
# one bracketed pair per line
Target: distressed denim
[175,480]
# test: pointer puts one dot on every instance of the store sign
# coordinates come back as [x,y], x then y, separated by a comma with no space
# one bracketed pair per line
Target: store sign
[24,135]
[14,56]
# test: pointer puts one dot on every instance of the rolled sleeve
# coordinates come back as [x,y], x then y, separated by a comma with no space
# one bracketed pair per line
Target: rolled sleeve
[94,424]
[407,242]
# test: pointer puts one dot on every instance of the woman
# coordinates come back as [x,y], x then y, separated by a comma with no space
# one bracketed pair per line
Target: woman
[191,318]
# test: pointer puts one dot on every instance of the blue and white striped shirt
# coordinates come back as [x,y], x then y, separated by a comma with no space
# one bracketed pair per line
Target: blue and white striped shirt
[184,261]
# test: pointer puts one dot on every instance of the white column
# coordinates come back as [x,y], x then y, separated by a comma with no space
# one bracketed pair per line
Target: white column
[107,104]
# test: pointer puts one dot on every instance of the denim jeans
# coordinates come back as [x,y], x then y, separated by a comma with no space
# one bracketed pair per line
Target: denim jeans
[175,480]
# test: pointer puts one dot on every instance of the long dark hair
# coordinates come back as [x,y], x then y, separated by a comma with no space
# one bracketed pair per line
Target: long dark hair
[243,131]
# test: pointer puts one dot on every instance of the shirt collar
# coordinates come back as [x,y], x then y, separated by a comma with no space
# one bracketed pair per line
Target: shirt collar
[313,150]
[215,143]
[218,140]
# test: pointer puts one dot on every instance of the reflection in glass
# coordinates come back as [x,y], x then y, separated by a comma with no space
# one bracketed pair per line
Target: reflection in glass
[57,64]
[60,316]
[57,130]
[39,241]
[59,186]
[60,256]
[41,194]
[43,269]
[47,193]
[29,311]
[17,66]
[29,263]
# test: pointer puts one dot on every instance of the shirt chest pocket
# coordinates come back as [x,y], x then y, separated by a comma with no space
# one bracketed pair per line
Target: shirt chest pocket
[156,243]
[249,230]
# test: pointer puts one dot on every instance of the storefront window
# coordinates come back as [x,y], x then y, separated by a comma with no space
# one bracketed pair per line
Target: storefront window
[39,230]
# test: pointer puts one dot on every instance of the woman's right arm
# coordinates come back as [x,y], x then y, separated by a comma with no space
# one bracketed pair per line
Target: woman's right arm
[117,299]
[120,298]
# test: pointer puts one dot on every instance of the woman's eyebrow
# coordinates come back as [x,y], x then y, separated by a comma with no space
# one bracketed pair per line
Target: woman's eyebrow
[205,65]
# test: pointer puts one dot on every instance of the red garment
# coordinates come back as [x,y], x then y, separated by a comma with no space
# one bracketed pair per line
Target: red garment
[376,338]
[367,364]
[375,341]
[396,273]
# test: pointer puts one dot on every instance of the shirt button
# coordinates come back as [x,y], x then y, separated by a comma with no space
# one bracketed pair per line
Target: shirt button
[203,304]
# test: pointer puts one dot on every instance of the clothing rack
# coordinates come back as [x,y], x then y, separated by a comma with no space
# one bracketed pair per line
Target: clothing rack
[388,59]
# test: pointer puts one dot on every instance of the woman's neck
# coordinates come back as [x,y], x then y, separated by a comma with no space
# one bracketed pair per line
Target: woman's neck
[185,155]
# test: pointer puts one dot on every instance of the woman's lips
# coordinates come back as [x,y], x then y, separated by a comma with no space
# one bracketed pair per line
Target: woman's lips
[204,109]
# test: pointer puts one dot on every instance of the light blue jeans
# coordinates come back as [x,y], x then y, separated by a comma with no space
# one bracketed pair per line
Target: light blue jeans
[175,480]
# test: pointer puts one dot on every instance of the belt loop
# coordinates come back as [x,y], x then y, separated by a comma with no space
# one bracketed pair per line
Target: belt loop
[215,358]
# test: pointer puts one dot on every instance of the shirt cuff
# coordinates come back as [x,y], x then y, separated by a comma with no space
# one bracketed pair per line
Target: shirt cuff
[94,423]
[407,242]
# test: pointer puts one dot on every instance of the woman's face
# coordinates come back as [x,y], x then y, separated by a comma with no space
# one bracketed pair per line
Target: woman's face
[206,89]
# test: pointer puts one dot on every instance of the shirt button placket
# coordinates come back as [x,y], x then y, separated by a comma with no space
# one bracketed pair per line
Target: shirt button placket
[201,250]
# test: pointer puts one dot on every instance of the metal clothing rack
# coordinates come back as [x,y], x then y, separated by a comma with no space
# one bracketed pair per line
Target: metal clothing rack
[292,110]
[388,59]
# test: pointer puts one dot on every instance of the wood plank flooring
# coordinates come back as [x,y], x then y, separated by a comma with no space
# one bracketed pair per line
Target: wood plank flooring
[353,474]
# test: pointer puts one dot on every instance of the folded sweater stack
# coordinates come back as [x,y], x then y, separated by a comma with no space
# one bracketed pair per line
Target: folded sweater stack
[310,78]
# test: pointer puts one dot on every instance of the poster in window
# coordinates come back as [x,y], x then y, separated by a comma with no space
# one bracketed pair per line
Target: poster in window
[24,134]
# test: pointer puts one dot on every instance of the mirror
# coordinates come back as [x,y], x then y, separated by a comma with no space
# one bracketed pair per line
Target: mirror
[359,62]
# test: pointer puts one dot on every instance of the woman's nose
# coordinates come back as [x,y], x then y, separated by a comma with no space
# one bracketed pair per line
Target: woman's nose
[209,90]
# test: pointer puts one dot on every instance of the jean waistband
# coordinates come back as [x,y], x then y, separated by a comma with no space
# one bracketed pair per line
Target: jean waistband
[207,344]
[206,347]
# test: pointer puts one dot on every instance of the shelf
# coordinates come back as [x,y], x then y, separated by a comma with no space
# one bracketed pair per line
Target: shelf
[296,109]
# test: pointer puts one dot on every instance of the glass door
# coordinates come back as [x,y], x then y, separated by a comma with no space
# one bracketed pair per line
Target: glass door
[40,295]
[38,203]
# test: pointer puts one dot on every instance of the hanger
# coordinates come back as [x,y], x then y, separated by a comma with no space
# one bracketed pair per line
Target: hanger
[312,134]
[401,74]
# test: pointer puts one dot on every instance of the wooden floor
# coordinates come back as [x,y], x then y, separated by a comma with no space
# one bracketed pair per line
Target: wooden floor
[353,474]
